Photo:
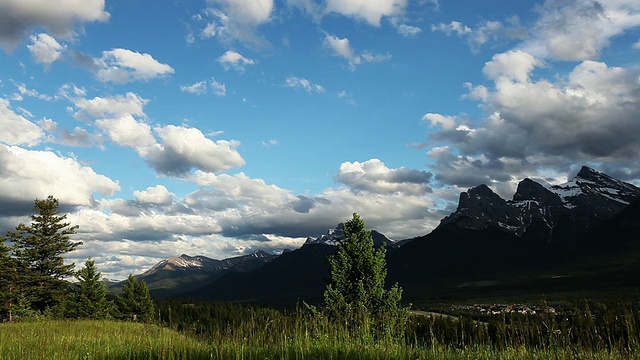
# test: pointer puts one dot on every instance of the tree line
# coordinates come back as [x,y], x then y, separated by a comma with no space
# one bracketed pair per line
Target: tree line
[33,275]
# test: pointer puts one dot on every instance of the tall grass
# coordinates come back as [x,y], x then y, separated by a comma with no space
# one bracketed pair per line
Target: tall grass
[206,331]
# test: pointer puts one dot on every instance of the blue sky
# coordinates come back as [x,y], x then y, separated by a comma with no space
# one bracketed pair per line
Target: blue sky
[224,126]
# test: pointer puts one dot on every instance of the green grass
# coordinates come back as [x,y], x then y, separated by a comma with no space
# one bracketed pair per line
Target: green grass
[53,339]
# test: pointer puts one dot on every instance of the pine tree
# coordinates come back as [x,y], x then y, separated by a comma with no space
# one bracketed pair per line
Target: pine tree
[38,250]
[135,303]
[8,280]
[90,300]
[356,292]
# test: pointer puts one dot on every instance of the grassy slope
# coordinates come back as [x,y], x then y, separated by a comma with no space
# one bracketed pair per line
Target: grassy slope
[117,340]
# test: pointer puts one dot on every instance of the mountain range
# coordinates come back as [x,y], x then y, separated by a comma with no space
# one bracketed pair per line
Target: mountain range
[546,238]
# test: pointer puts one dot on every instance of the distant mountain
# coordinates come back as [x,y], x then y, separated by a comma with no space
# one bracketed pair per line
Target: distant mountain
[536,211]
[334,236]
[568,237]
[177,275]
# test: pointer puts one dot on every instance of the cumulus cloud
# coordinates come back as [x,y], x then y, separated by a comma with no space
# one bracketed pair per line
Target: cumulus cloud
[16,129]
[183,149]
[238,19]
[371,11]
[590,115]
[483,32]
[342,47]
[579,30]
[18,18]
[45,49]
[109,106]
[374,176]
[233,60]
[154,195]
[122,66]
[304,84]
[27,174]
[76,137]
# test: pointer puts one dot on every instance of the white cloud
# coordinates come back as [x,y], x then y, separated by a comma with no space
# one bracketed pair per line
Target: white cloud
[154,195]
[76,137]
[513,65]
[199,87]
[122,66]
[110,106]
[579,30]
[583,117]
[26,174]
[374,176]
[19,17]
[238,19]
[447,122]
[233,60]
[183,148]
[341,47]
[202,87]
[408,30]
[304,84]
[16,129]
[219,89]
[127,131]
[483,32]
[45,49]
[372,11]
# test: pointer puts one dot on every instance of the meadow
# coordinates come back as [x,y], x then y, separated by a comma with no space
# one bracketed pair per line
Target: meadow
[223,331]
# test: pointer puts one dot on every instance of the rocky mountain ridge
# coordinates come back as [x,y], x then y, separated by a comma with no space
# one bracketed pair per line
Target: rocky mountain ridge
[588,198]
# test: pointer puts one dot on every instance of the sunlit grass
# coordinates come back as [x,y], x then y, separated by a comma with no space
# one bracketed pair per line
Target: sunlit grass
[121,340]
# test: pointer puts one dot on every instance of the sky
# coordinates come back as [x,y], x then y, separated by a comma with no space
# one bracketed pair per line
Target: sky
[219,127]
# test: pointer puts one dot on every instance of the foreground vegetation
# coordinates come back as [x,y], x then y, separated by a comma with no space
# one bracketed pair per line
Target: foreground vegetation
[223,331]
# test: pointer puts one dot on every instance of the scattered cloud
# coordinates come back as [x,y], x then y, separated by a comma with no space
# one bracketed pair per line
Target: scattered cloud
[238,20]
[371,11]
[408,30]
[374,176]
[28,174]
[76,137]
[19,18]
[483,32]
[196,88]
[122,66]
[233,60]
[579,30]
[45,49]
[341,47]
[586,116]
[304,84]
[16,129]
[183,149]
[202,87]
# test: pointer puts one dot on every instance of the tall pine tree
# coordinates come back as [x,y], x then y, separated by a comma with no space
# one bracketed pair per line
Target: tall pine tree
[90,299]
[356,292]
[135,302]
[8,281]
[38,250]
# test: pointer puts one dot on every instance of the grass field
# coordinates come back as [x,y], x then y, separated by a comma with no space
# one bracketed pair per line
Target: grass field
[53,339]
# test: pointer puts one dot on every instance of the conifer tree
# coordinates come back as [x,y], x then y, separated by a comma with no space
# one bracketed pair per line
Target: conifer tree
[8,280]
[38,250]
[135,302]
[356,292]
[90,300]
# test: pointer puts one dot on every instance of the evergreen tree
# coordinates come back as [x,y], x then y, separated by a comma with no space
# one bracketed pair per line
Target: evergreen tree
[135,303]
[90,300]
[38,250]
[356,292]
[8,280]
